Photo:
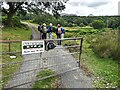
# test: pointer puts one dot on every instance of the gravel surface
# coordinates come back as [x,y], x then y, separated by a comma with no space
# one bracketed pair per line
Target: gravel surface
[72,79]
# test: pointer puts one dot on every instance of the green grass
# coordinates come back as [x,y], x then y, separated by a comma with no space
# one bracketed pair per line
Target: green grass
[15,33]
[9,69]
[77,31]
[104,70]
[46,83]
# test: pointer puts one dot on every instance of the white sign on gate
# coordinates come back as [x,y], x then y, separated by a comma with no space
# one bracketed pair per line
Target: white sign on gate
[29,47]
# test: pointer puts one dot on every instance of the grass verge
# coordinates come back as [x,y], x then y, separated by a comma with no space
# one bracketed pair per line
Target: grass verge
[46,83]
[105,70]
[14,33]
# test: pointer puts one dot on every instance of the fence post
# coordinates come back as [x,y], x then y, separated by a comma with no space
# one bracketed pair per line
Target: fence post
[80,51]
[9,45]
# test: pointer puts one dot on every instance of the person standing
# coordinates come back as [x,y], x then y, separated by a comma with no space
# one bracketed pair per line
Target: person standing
[58,33]
[63,33]
[40,30]
[50,28]
[44,31]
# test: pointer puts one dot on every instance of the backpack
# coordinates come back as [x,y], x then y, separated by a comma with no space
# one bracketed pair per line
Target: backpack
[39,28]
[44,29]
[59,30]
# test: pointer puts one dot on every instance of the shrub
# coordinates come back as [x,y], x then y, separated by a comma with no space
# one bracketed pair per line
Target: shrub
[106,45]
[15,21]
[118,28]
[54,28]
[70,25]
[4,20]
[81,25]
[98,24]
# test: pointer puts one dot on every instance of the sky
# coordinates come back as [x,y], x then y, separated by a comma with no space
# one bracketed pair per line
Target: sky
[87,7]
[95,7]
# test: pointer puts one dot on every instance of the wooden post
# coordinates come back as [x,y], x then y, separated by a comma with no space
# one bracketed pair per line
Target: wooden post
[9,45]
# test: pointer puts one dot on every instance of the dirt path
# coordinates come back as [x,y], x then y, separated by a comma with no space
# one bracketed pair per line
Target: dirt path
[73,79]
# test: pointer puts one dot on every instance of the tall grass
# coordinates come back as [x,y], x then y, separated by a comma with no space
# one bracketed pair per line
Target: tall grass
[105,44]
[100,53]
[104,70]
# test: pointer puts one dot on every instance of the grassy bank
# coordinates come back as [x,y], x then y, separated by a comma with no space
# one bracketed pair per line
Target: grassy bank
[103,69]
[15,33]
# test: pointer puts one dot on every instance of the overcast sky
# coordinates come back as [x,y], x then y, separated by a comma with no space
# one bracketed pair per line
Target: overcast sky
[95,7]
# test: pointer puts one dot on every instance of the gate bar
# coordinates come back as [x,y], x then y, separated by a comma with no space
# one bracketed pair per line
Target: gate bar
[36,59]
[36,69]
[57,74]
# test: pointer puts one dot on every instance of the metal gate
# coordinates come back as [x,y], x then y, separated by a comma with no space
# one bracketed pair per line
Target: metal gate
[63,58]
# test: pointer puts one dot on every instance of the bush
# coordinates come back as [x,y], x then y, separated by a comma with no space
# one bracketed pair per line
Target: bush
[15,21]
[106,45]
[4,20]
[54,28]
[118,28]
[81,25]
[70,25]
[98,24]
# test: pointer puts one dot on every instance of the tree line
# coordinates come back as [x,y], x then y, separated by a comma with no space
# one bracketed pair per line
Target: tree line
[33,11]
[98,22]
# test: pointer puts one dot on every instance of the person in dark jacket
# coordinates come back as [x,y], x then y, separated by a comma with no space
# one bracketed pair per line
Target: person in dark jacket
[40,30]
[50,28]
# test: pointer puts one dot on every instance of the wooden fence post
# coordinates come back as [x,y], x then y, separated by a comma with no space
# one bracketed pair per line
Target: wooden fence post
[9,45]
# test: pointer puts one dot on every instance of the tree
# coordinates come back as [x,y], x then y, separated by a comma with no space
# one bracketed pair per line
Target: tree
[13,7]
[98,24]
[24,7]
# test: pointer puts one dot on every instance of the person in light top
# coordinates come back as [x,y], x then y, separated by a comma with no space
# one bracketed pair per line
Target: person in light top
[44,31]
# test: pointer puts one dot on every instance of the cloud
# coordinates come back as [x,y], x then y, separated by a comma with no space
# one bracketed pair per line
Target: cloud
[84,8]
[74,3]
[88,4]
[95,4]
